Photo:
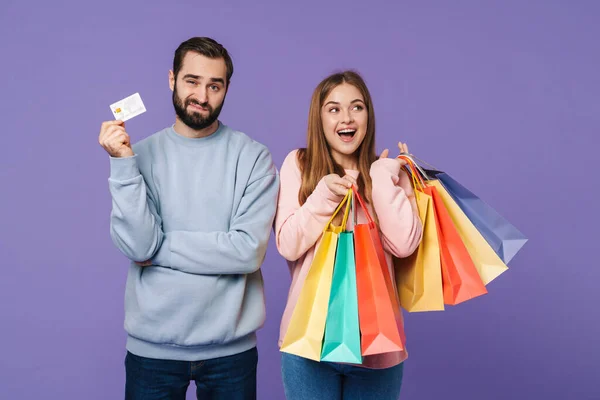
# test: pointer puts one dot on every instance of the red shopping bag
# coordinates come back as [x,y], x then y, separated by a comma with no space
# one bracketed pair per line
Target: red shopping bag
[378,309]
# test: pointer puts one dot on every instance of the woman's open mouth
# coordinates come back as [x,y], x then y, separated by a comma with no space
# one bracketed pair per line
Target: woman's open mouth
[346,134]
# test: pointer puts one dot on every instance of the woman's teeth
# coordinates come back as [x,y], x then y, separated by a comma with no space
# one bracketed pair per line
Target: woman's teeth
[346,134]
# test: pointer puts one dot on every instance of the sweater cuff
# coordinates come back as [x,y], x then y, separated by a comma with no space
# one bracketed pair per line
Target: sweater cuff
[123,168]
[390,165]
[325,193]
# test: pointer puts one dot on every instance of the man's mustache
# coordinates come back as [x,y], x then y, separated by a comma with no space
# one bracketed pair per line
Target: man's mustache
[196,102]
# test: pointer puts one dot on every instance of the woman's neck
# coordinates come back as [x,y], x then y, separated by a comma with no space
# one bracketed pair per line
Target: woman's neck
[348,162]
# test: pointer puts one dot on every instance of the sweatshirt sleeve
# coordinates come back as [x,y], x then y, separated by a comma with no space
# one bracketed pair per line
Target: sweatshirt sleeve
[297,228]
[396,208]
[135,226]
[242,249]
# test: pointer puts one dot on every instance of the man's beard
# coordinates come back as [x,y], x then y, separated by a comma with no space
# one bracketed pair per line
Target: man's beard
[193,119]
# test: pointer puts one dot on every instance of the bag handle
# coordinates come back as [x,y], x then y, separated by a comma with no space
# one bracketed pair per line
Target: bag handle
[418,182]
[362,204]
[417,166]
[345,200]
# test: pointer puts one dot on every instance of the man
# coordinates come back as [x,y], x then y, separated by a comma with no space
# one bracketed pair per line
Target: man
[193,207]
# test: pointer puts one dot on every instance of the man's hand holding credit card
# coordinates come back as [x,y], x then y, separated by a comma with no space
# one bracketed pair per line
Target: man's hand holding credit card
[113,137]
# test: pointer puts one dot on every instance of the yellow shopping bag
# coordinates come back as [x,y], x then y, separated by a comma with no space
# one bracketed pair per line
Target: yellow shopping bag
[419,276]
[304,336]
[488,264]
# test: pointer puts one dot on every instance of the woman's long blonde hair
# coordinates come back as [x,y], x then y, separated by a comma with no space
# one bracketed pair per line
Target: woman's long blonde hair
[315,160]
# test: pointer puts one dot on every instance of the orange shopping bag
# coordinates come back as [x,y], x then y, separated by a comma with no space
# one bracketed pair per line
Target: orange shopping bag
[378,308]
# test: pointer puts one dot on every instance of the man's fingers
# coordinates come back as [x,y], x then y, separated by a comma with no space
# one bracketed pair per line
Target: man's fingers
[108,131]
[112,132]
[146,263]
[115,122]
[106,125]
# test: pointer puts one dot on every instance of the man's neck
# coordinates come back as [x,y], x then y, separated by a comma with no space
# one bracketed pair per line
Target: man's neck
[184,130]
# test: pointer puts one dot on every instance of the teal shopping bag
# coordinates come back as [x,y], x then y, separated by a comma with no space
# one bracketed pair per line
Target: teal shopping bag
[342,330]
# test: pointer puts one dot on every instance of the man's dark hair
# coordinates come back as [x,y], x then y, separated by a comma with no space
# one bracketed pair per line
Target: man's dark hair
[207,47]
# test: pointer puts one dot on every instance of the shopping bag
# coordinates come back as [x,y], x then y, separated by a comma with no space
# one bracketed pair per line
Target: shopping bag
[379,326]
[342,330]
[419,276]
[304,335]
[389,282]
[504,238]
[488,264]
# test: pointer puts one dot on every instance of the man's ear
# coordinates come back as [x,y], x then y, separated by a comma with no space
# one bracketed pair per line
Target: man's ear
[171,80]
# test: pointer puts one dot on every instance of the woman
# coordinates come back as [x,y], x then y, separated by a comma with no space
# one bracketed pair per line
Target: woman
[340,152]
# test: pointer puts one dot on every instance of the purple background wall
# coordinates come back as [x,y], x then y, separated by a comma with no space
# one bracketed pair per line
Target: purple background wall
[502,94]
